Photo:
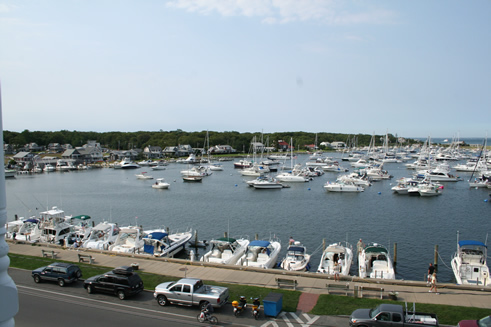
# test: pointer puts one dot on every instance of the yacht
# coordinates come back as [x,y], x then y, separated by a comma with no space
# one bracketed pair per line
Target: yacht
[261,254]
[126,163]
[296,258]
[226,250]
[49,168]
[62,165]
[143,175]
[469,263]
[52,227]
[332,254]
[343,187]
[404,184]
[374,262]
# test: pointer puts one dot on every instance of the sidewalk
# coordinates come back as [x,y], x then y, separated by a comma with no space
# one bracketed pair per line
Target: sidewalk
[311,284]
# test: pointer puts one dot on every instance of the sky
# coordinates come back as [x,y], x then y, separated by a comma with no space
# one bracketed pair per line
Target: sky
[409,68]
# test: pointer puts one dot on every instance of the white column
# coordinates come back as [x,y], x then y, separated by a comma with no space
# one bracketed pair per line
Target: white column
[9,299]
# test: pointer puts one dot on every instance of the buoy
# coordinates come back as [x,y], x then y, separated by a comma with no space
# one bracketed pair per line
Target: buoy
[485,200]
[235,185]
[308,189]
[379,192]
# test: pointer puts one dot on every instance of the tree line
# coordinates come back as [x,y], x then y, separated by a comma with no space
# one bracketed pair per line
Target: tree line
[239,141]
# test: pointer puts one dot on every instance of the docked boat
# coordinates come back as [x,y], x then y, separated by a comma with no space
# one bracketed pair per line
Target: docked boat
[49,168]
[374,262]
[343,187]
[160,183]
[296,258]
[62,165]
[126,163]
[52,227]
[226,250]
[129,240]
[22,228]
[331,256]
[101,236]
[161,243]
[261,254]
[143,175]
[9,173]
[469,263]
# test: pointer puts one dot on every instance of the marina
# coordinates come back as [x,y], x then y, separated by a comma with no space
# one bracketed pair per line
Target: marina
[224,203]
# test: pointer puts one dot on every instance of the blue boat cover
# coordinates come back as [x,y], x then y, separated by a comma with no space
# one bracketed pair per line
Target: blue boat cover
[263,244]
[31,220]
[157,235]
[469,242]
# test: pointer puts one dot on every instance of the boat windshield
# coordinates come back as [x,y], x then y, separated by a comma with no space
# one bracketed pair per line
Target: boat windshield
[484,322]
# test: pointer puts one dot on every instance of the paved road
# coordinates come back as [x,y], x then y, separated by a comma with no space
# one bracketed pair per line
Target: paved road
[47,304]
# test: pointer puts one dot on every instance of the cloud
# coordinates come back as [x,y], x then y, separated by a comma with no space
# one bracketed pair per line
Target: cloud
[6,8]
[286,11]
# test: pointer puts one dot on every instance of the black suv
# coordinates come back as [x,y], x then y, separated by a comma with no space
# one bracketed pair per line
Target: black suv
[121,281]
[59,272]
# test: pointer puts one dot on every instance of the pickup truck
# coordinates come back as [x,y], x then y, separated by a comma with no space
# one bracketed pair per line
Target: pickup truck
[189,292]
[390,315]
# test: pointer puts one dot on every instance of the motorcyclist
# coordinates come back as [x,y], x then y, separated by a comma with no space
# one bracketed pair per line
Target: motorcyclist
[242,303]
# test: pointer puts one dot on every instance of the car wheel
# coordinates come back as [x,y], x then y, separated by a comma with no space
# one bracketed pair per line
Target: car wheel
[90,290]
[37,279]
[79,274]
[121,295]
[61,282]
[162,300]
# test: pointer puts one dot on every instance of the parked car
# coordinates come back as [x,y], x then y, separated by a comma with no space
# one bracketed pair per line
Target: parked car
[391,315]
[121,281]
[60,272]
[189,292]
[483,322]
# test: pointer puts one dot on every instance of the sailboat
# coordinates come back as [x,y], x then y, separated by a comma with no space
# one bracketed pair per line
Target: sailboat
[293,176]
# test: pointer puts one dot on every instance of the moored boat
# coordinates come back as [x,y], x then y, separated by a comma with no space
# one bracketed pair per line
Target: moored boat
[469,263]
[297,258]
[374,262]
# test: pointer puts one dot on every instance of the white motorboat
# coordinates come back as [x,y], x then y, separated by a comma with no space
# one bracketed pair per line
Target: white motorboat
[161,243]
[189,178]
[255,170]
[159,166]
[22,228]
[374,262]
[9,173]
[101,236]
[200,171]
[438,175]
[265,183]
[49,168]
[143,175]
[160,183]
[429,189]
[469,263]
[52,227]
[261,254]
[355,178]
[296,258]
[62,165]
[404,184]
[332,254]
[335,167]
[226,250]
[290,177]
[343,187]
[129,240]
[126,163]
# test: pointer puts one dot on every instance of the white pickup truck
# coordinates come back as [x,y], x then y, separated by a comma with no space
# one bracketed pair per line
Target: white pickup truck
[189,292]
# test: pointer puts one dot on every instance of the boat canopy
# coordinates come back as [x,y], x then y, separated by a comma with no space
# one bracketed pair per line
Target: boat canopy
[263,244]
[227,239]
[31,220]
[469,242]
[157,235]
[81,217]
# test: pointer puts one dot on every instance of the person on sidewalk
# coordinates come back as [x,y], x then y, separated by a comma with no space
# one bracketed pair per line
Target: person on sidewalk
[433,283]
[431,270]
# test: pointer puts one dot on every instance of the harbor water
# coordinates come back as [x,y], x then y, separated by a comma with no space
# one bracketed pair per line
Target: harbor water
[223,202]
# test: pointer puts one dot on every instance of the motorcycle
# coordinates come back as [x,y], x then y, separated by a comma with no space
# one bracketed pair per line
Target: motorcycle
[239,306]
[256,305]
